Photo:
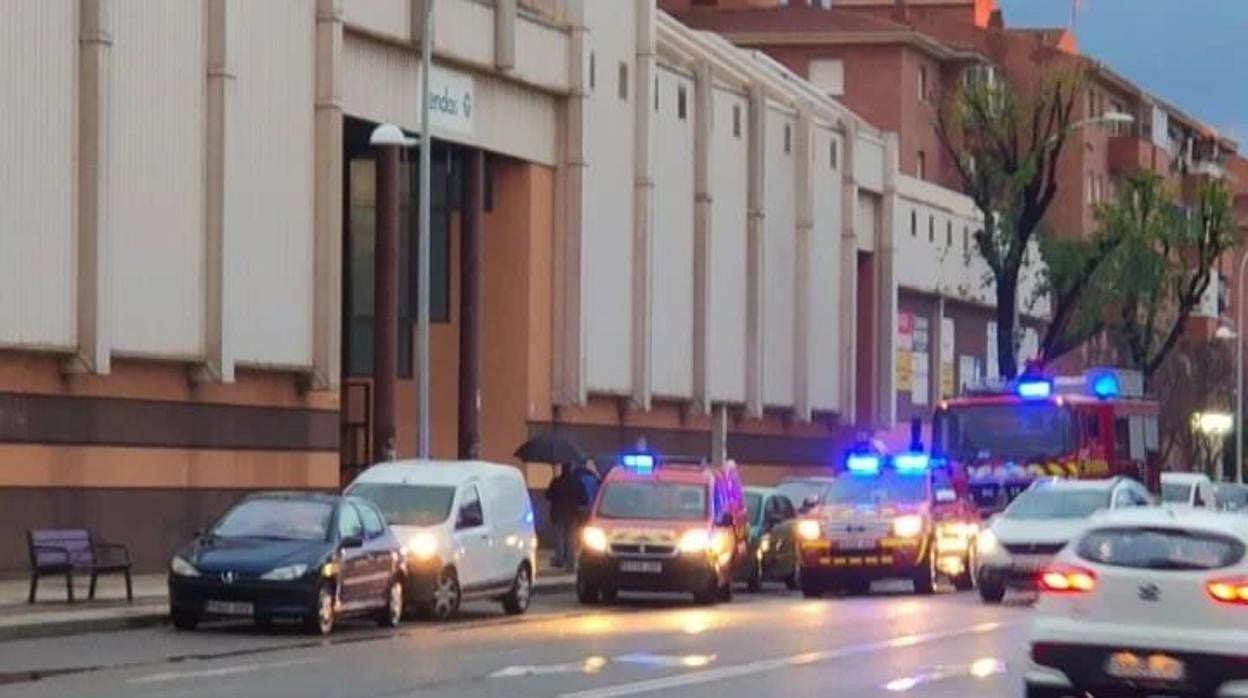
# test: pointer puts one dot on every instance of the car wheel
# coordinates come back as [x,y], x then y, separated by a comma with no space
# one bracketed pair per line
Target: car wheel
[925,575]
[517,600]
[755,581]
[586,593]
[1031,690]
[392,613]
[321,616]
[446,597]
[184,620]
[991,592]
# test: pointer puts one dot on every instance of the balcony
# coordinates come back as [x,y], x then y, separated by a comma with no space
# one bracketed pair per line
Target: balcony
[1131,154]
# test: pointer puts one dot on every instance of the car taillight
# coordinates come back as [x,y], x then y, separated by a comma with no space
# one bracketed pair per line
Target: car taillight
[1067,580]
[1229,590]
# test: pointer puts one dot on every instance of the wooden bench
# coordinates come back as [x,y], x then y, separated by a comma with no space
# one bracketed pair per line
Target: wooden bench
[69,550]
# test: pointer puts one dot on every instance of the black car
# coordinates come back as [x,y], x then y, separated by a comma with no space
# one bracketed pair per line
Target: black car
[309,557]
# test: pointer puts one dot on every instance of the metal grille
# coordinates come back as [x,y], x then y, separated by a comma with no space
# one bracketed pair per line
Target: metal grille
[850,529]
[648,550]
[1034,548]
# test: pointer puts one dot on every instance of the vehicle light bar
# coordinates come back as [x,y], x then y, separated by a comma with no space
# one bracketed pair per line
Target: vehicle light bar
[863,464]
[1105,384]
[1035,388]
[911,463]
[639,462]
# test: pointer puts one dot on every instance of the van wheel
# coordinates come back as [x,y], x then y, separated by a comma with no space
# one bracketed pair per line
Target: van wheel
[586,593]
[991,592]
[446,597]
[392,613]
[184,620]
[517,600]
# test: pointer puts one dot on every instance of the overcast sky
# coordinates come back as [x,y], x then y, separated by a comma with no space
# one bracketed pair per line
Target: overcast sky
[1193,53]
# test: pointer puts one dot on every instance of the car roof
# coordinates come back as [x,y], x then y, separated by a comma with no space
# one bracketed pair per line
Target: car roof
[764,491]
[670,473]
[297,496]
[1181,517]
[1184,478]
[1098,485]
[449,473]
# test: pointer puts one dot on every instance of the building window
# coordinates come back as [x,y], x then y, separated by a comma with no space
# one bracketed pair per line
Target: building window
[656,93]
[966,240]
[922,83]
[914,223]
[949,233]
[834,156]
[1091,103]
[931,228]
[623,81]
[1091,188]
[920,166]
[593,70]
[788,139]
[681,106]
[736,121]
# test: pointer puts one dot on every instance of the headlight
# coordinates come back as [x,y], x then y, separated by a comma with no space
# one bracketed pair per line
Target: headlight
[422,546]
[695,542]
[594,539]
[908,526]
[285,574]
[809,530]
[182,568]
[988,543]
[764,543]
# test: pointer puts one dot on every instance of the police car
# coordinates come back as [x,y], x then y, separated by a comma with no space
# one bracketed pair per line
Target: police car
[664,525]
[903,517]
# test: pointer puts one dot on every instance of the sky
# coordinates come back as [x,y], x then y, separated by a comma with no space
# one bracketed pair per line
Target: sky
[1192,53]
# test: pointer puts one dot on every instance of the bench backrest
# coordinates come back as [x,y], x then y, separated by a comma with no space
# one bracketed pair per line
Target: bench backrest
[77,541]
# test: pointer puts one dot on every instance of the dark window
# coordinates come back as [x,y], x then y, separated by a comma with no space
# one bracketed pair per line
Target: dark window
[1160,549]
[834,156]
[788,138]
[920,167]
[349,524]
[653,501]
[623,81]
[681,106]
[373,525]
[1122,438]
[656,93]
[593,70]
[736,120]
[966,240]
[470,514]
[914,223]
[931,228]
[949,233]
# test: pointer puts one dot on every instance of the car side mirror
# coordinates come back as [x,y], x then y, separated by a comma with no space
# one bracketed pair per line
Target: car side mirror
[946,495]
[349,542]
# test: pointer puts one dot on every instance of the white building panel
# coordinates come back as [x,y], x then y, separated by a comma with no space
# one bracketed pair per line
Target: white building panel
[671,278]
[867,219]
[727,297]
[38,81]
[869,163]
[607,225]
[269,190]
[779,262]
[157,171]
[825,267]
[388,17]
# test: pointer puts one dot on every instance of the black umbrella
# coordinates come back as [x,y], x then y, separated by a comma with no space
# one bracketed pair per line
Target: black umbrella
[550,448]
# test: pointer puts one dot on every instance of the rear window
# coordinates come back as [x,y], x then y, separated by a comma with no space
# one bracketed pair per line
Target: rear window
[1172,493]
[1160,549]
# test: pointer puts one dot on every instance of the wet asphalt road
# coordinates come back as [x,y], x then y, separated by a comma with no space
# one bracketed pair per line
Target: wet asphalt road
[772,643]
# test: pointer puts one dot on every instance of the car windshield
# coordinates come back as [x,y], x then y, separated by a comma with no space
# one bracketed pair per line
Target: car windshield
[885,488]
[754,503]
[1160,549]
[653,500]
[408,505]
[277,519]
[1176,493]
[800,492]
[1057,504]
[1015,431]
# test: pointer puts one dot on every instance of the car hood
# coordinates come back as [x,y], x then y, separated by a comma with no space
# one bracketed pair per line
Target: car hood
[866,512]
[253,555]
[1038,530]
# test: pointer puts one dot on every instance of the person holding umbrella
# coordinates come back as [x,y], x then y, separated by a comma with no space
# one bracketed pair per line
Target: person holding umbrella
[567,496]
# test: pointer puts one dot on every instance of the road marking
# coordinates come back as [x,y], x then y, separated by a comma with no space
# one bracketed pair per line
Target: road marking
[806,658]
[223,671]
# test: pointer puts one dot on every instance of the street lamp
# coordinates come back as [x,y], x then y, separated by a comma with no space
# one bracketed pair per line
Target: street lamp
[1213,427]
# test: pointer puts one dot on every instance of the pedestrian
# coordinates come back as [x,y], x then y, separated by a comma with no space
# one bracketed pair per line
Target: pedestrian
[566,496]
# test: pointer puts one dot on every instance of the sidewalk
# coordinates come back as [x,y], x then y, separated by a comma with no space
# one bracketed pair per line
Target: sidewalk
[51,616]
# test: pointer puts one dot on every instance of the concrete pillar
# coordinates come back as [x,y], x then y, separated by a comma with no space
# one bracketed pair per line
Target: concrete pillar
[936,352]
[719,434]
[805,199]
[703,203]
[385,302]
[220,127]
[94,302]
[849,274]
[643,199]
[470,249]
[567,325]
[886,288]
[504,35]
[327,199]
[756,229]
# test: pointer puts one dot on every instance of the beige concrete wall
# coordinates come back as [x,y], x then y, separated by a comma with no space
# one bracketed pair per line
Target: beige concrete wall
[824,315]
[726,299]
[779,286]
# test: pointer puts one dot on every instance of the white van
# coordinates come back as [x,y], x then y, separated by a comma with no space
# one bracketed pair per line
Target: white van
[466,527]
[1188,489]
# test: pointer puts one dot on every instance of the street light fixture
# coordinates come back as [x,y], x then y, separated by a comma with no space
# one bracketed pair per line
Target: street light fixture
[1213,423]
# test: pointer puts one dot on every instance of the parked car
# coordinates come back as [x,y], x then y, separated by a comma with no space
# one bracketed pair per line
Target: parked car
[1040,522]
[1188,489]
[1147,601]
[1232,497]
[311,557]
[772,551]
[467,531]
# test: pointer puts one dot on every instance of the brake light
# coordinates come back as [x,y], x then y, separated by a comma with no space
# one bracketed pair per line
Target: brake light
[1067,580]
[1229,590]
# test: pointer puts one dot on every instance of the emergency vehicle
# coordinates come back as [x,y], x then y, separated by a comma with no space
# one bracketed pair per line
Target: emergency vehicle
[664,525]
[901,517]
[1007,435]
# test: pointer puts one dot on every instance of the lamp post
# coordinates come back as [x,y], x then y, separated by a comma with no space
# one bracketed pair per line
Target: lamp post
[422,254]
[1239,369]
[1213,428]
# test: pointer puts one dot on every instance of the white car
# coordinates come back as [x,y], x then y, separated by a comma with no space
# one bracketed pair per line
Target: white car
[466,527]
[1039,523]
[1147,602]
[1188,489]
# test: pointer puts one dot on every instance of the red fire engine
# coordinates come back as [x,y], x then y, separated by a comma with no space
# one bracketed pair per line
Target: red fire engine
[1005,436]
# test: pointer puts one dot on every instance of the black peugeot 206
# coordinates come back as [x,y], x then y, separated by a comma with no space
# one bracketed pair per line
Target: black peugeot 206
[309,557]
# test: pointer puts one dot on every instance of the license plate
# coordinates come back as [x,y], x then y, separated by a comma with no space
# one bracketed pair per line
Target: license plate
[1029,564]
[1153,667]
[857,544]
[229,608]
[641,566]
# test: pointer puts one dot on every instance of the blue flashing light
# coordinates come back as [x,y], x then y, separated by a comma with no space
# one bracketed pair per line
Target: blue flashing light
[638,462]
[1035,388]
[911,463]
[1105,385]
[863,464]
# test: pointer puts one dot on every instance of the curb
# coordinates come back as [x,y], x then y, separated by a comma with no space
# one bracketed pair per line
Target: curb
[159,615]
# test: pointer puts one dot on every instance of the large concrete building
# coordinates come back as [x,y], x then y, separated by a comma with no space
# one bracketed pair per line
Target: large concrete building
[636,227]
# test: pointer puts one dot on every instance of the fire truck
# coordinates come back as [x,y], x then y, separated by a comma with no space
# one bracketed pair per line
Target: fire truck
[1005,436]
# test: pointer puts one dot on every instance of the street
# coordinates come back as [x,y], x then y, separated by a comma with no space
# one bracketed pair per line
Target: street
[892,642]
